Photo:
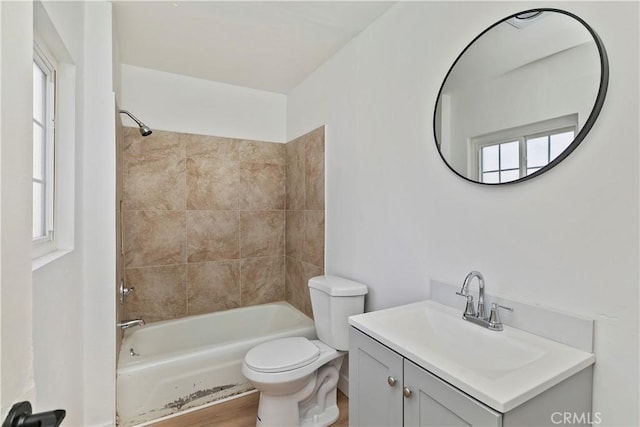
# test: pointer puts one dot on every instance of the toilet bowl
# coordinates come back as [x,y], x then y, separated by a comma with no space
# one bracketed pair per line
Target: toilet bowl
[297,378]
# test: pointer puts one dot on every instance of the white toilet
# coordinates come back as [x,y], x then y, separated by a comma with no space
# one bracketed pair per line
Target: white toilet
[297,378]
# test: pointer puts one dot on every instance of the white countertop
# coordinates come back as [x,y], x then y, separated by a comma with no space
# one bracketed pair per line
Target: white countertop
[502,369]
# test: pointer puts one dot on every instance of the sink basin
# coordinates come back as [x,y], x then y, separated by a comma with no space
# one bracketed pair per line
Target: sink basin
[487,353]
[501,369]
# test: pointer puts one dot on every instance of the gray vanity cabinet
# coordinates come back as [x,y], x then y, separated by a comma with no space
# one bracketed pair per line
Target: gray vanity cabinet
[433,402]
[375,382]
[385,389]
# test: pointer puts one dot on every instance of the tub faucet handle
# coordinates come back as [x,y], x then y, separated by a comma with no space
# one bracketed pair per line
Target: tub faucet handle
[124,291]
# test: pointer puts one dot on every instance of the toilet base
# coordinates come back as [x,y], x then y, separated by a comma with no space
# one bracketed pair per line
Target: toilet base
[328,417]
[277,411]
[313,406]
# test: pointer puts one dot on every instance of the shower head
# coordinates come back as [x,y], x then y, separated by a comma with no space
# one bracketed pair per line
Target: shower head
[144,129]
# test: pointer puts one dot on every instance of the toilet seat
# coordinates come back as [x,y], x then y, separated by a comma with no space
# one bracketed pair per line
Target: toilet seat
[281,355]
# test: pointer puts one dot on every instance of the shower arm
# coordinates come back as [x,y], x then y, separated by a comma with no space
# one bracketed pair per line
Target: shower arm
[144,129]
[138,122]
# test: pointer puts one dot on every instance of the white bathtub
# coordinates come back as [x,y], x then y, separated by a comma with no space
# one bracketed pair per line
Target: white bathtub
[170,366]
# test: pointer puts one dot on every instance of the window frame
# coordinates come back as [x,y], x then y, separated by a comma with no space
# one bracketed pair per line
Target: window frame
[45,61]
[65,132]
[520,134]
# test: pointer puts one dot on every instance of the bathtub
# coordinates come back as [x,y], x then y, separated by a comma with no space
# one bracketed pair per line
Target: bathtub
[171,366]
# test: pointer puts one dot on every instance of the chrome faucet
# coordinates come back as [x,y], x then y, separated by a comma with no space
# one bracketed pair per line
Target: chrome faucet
[126,324]
[465,293]
[480,317]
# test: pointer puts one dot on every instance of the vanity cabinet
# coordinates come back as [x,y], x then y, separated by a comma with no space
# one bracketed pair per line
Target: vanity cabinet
[429,401]
[386,389]
[375,382]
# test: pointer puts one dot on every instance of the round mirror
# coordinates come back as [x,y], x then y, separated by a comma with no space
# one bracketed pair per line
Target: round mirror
[521,97]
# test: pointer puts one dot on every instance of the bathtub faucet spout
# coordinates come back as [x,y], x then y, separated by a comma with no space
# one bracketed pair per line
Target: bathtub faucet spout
[130,323]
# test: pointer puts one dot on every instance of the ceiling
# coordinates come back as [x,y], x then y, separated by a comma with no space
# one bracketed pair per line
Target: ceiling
[270,46]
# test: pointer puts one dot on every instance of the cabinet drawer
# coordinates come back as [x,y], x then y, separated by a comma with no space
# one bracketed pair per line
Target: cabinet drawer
[433,402]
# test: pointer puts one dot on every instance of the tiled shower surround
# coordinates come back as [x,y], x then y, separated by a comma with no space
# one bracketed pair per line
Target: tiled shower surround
[212,223]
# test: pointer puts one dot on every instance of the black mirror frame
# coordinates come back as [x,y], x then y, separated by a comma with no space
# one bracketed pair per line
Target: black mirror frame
[595,111]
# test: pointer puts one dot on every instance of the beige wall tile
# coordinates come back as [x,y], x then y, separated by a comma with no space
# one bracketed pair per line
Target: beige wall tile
[214,206]
[154,238]
[296,294]
[297,277]
[213,235]
[262,233]
[154,182]
[129,132]
[212,184]
[119,255]
[313,247]
[213,286]
[262,186]
[160,293]
[295,175]
[212,147]
[159,143]
[262,152]
[262,280]
[294,234]
[119,160]
[304,243]
[314,169]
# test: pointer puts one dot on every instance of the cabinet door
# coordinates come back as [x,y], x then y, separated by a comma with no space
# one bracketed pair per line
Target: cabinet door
[375,383]
[433,402]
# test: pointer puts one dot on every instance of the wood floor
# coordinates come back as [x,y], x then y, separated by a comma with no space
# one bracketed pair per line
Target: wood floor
[240,412]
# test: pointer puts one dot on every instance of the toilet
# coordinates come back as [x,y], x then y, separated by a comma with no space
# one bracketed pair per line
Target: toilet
[297,378]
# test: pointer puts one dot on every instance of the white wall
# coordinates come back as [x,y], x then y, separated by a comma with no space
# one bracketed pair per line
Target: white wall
[397,217]
[58,323]
[16,50]
[177,103]
[99,221]
[57,287]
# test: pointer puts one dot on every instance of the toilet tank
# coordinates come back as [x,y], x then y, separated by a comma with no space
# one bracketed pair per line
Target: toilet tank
[333,300]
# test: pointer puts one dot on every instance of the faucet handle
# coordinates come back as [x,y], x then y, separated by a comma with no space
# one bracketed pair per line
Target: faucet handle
[124,291]
[469,310]
[494,318]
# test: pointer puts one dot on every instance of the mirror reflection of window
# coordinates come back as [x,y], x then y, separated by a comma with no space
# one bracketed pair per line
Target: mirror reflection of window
[500,162]
[508,161]
[541,150]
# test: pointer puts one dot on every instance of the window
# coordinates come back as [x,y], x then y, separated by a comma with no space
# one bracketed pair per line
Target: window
[54,132]
[514,153]
[44,92]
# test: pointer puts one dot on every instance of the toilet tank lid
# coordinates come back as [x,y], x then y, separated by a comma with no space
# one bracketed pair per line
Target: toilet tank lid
[337,286]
